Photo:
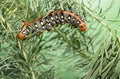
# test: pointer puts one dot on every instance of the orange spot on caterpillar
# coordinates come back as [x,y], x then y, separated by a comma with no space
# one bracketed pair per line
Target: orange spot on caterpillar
[21,36]
[25,23]
[83,27]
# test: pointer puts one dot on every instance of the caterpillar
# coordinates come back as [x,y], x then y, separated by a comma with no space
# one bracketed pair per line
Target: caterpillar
[52,19]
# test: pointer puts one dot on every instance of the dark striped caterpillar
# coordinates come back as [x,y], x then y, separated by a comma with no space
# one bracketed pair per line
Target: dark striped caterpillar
[52,19]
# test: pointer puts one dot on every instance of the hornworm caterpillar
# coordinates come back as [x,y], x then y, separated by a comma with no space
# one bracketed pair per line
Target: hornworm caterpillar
[52,19]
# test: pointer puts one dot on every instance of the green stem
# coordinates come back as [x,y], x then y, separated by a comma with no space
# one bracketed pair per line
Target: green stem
[70,43]
[32,73]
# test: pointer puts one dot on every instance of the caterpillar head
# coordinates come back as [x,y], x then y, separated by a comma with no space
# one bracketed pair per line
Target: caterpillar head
[82,27]
[25,31]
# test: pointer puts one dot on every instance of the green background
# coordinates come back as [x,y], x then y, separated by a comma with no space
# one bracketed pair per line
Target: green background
[103,25]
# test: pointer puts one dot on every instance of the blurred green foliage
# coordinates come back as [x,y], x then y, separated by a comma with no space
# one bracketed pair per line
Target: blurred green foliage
[64,52]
